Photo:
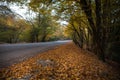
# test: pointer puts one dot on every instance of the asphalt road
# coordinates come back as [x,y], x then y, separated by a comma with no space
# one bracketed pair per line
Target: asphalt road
[14,53]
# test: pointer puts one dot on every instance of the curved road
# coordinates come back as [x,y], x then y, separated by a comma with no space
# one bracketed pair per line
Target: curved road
[14,53]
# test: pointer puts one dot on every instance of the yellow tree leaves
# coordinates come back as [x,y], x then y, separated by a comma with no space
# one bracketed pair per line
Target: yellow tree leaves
[66,62]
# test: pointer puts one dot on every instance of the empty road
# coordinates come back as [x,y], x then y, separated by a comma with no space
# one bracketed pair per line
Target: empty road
[14,53]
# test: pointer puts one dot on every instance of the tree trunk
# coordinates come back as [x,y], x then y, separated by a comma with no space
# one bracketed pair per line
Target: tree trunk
[43,38]
[99,37]
[95,29]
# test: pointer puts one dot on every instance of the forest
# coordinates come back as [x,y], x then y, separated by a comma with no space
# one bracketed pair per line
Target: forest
[93,25]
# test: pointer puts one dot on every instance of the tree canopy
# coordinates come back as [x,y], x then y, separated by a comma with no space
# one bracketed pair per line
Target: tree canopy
[92,24]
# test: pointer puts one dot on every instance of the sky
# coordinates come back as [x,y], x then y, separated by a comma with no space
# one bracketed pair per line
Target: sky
[20,10]
[23,10]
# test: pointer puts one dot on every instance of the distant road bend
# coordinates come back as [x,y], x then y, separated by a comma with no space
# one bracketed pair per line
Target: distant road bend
[14,53]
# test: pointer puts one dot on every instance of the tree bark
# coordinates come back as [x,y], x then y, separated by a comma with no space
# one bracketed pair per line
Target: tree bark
[100,30]
[96,29]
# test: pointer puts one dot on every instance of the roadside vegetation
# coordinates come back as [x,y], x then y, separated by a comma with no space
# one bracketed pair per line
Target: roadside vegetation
[15,29]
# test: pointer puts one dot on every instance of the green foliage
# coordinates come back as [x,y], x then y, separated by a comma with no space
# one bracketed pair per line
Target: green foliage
[11,25]
[6,34]
[93,24]
[97,32]
[42,28]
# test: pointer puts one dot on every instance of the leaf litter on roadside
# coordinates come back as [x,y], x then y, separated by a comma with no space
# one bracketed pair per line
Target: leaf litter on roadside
[66,62]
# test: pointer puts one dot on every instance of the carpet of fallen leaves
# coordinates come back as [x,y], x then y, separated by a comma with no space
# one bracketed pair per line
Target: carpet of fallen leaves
[65,62]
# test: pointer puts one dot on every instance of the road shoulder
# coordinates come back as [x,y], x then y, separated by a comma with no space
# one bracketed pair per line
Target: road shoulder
[66,62]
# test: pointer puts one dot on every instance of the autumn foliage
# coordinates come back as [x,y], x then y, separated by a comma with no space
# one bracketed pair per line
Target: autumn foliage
[66,62]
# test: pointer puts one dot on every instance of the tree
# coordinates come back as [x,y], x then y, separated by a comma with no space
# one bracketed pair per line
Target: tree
[7,27]
[95,28]
[92,23]
[12,25]
[112,30]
